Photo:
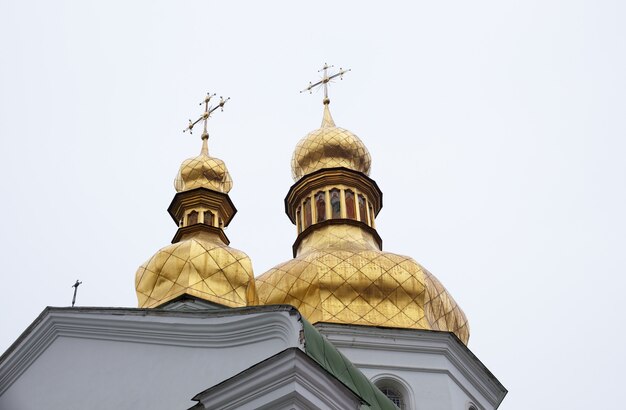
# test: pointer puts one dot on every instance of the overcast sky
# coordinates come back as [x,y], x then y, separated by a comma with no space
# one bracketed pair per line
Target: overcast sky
[496,128]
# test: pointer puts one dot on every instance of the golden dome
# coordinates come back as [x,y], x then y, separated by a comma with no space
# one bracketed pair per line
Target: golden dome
[340,276]
[328,147]
[201,266]
[203,171]
[199,261]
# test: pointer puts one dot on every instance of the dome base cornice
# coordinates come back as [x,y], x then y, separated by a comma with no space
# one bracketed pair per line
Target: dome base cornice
[334,222]
[185,232]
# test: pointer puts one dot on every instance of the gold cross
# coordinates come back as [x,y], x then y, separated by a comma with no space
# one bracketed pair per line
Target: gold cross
[208,110]
[325,80]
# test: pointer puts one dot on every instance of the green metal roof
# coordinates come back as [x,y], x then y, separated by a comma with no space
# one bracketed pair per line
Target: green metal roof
[326,355]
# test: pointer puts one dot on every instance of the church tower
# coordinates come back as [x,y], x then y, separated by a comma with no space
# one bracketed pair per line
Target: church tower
[199,262]
[339,273]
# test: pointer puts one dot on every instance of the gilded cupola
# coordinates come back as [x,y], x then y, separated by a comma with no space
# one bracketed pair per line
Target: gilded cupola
[329,147]
[199,262]
[339,272]
[203,171]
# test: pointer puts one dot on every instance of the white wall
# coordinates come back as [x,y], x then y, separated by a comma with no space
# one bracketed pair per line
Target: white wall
[433,370]
[139,362]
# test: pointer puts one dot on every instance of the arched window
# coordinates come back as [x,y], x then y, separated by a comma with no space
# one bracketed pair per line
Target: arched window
[395,396]
[397,390]
[208,218]
[320,206]
[192,218]
[350,208]
[298,221]
[335,204]
[371,208]
[220,222]
[471,406]
[362,209]
[308,218]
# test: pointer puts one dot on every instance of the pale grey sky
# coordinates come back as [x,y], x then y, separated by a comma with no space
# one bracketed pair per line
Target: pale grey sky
[496,130]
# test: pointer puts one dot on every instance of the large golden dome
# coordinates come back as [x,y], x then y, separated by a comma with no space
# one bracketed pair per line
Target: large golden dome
[339,273]
[203,171]
[343,277]
[328,147]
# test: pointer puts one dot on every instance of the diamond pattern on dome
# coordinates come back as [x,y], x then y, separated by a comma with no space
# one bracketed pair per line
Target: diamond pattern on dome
[329,147]
[208,270]
[353,291]
[352,282]
[442,310]
[203,171]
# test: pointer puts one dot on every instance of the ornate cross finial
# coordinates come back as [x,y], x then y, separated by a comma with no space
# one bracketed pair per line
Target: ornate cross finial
[208,110]
[325,80]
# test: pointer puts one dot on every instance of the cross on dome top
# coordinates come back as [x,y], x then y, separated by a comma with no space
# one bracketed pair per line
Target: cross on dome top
[208,110]
[326,78]
[204,171]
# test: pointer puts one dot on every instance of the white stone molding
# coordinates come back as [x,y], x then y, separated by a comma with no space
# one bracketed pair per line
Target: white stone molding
[206,329]
[288,380]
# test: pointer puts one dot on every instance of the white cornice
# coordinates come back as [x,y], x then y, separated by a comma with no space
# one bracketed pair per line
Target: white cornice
[288,377]
[209,329]
[421,342]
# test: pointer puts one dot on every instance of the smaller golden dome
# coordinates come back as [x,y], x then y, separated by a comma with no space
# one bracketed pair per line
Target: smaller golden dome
[201,266]
[203,171]
[328,147]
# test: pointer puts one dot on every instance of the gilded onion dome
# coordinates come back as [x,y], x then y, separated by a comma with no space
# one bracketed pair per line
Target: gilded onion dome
[339,273]
[199,262]
[199,265]
[327,147]
[203,171]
